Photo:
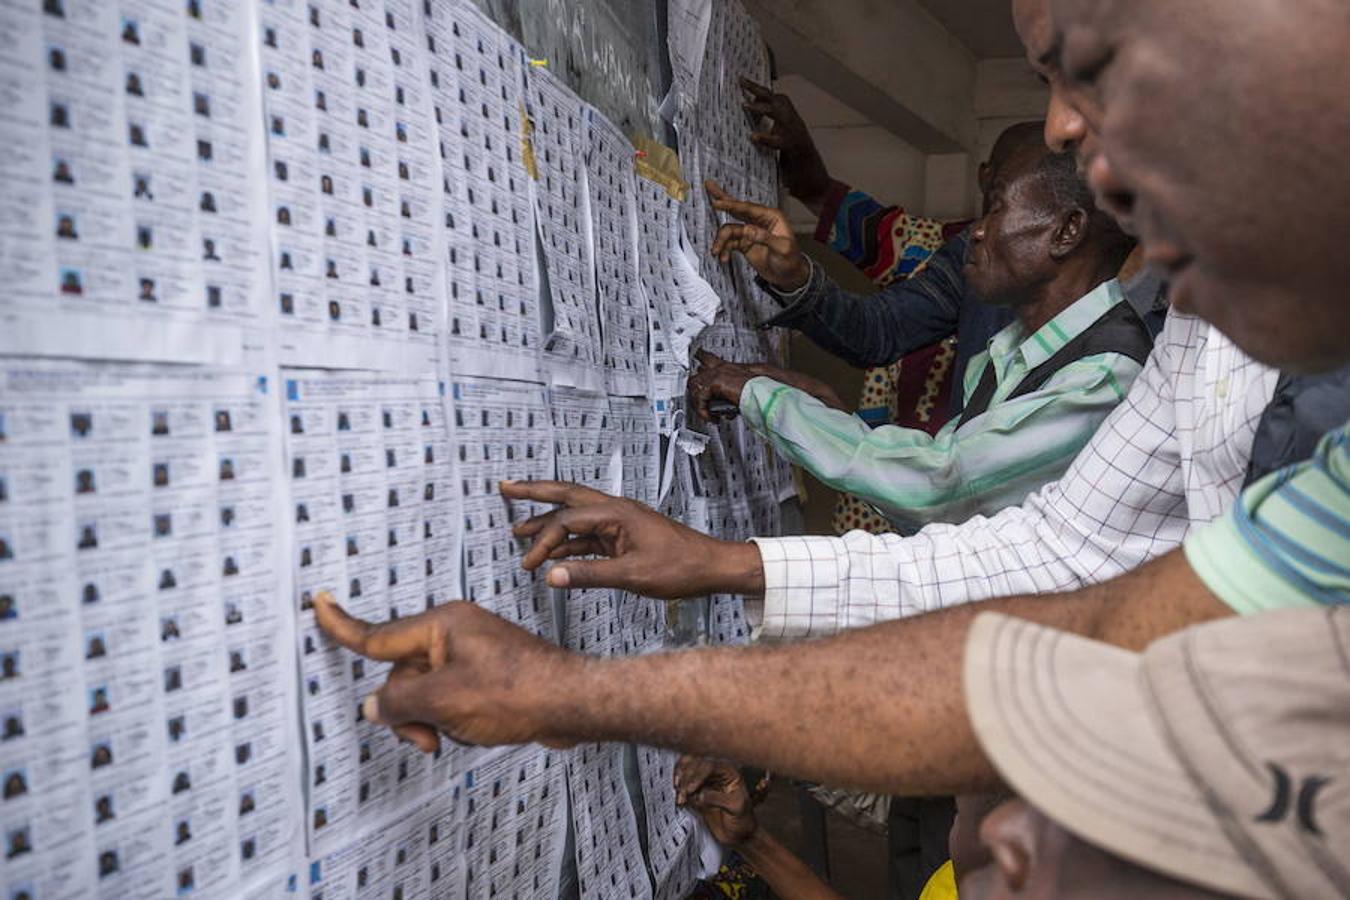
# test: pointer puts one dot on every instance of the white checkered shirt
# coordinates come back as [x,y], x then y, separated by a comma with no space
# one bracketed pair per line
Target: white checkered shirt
[1172,455]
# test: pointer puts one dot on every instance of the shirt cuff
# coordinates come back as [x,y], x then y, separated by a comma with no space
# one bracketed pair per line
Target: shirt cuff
[803,583]
[1233,570]
[758,397]
[795,303]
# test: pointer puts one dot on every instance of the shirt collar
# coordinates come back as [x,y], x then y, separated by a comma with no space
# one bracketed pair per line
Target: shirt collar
[1051,337]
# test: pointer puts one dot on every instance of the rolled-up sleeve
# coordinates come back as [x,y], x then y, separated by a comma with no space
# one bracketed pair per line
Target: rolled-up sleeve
[1286,541]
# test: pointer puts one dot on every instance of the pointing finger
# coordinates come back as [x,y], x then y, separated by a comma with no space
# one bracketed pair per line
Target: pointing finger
[390,641]
[562,492]
[755,89]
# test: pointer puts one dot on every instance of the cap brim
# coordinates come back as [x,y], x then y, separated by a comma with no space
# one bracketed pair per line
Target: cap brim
[1066,722]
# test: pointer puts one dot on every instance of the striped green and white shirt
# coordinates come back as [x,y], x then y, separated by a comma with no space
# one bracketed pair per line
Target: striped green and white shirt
[1286,541]
[993,461]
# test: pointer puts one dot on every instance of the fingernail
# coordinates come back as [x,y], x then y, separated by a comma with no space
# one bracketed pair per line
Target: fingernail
[370,708]
[558,577]
[507,481]
[325,597]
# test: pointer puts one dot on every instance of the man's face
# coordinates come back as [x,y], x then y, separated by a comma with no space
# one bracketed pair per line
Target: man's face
[1218,135]
[1035,859]
[1010,247]
[1065,128]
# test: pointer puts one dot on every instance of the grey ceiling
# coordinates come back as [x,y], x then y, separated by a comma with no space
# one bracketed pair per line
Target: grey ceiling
[984,26]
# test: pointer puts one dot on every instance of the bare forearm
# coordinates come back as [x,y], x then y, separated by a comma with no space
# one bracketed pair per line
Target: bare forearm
[787,876]
[879,708]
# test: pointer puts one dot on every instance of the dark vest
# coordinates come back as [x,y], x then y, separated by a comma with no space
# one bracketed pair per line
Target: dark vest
[1303,408]
[1118,330]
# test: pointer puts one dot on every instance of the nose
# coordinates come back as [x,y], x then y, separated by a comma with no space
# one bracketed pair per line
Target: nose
[1114,197]
[977,231]
[1065,127]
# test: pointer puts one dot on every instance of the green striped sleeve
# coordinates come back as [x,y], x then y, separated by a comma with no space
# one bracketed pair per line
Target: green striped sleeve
[993,461]
[1286,541]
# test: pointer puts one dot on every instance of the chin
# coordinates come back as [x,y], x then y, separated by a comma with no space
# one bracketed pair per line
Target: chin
[1266,326]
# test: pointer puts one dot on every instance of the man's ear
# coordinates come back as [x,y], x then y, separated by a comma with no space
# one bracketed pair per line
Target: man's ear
[1069,233]
[984,177]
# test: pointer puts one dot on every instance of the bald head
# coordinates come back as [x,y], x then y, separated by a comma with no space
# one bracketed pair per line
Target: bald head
[1015,140]
[1042,235]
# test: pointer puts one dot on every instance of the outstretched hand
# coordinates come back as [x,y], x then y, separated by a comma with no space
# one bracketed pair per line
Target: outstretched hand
[804,173]
[458,670]
[642,551]
[717,379]
[763,236]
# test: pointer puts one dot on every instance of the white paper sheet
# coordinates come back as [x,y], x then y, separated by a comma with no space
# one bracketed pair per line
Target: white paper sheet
[148,725]
[372,503]
[501,430]
[352,177]
[608,853]
[515,805]
[611,184]
[674,835]
[128,221]
[493,318]
[573,354]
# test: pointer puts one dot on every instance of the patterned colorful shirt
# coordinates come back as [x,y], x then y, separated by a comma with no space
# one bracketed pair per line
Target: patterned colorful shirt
[886,243]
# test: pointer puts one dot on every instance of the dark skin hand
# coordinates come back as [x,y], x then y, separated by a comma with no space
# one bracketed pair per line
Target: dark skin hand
[847,710]
[716,791]
[803,171]
[423,694]
[862,715]
[717,379]
[644,552]
[763,236]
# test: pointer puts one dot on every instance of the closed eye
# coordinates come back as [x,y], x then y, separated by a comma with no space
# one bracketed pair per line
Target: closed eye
[1084,56]
[1087,73]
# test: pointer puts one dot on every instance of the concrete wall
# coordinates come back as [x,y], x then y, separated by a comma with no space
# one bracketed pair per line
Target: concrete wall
[1006,92]
[856,151]
[891,60]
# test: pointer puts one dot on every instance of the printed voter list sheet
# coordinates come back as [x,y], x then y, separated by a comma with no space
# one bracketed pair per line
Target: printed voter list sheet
[674,313]
[375,521]
[515,829]
[415,856]
[501,431]
[353,180]
[608,853]
[493,325]
[611,189]
[147,701]
[129,226]
[556,131]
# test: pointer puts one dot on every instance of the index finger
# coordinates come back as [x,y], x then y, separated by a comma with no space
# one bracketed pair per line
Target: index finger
[754,87]
[706,358]
[741,209]
[388,641]
[562,492]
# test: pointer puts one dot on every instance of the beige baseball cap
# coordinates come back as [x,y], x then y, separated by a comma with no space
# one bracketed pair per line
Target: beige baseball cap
[1219,756]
